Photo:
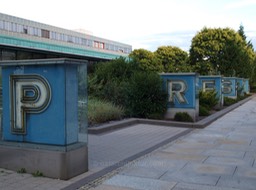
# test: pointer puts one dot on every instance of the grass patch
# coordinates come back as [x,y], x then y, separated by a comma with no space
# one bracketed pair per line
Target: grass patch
[22,171]
[38,174]
[100,111]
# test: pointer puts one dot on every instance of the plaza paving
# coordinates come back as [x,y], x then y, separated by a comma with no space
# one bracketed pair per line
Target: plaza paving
[218,157]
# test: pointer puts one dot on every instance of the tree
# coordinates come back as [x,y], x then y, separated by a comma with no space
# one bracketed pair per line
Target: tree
[146,60]
[252,55]
[173,59]
[222,51]
[242,34]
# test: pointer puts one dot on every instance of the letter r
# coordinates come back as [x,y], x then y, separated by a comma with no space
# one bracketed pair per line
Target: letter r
[29,94]
[176,89]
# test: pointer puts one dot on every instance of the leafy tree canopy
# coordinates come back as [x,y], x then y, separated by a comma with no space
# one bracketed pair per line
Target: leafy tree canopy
[146,60]
[173,59]
[221,50]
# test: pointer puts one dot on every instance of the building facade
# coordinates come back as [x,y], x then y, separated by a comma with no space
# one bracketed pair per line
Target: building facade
[25,39]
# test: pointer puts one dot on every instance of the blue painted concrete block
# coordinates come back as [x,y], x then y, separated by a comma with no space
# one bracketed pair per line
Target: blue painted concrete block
[182,89]
[57,123]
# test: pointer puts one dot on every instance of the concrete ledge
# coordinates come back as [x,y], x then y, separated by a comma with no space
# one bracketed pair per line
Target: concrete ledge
[200,124]
[112,126]
[55,164]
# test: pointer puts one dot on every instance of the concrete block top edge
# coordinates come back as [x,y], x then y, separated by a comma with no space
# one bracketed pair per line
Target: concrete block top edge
[210,76]
[175,74]
[54,61]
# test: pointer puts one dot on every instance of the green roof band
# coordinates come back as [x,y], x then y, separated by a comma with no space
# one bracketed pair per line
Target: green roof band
[18,42]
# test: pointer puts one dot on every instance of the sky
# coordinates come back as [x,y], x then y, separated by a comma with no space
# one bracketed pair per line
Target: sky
[146,24]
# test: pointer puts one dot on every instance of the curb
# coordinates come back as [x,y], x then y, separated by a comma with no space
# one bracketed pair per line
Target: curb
[133,121]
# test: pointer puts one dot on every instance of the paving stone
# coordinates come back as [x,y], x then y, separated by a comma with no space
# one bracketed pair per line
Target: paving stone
[190,186]
[179,157]
[191,177]
[237,182]
[250,155]
[249,172]
[237,147]
[208,169]
[242,141]
[144,172]
[203,138]
[161,164]
[224,153]
[183,150]
[139,183]
[228,161]
[192,144]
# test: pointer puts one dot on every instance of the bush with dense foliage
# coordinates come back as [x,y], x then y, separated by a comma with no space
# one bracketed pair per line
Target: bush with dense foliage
[145,96]
[203,111]
[183,116]
[125,84]
[208,99]
[109,80]
[229,101]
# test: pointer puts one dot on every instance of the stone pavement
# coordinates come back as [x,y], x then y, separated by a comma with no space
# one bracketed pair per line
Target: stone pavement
[218,157]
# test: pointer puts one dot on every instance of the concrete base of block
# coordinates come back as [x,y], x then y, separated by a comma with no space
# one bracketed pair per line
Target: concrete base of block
[61,163]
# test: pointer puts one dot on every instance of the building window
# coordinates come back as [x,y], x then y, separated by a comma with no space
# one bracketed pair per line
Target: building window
[45,33]
[90,43]
[13,27]
[53,35]
[1,24]
[6,25]
[84,41]
[101,45]
[19,28]
[95,44]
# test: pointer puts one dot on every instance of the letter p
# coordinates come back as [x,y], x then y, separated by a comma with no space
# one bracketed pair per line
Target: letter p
[29,94]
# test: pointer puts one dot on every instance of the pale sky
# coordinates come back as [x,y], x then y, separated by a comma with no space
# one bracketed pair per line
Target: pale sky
[146,24]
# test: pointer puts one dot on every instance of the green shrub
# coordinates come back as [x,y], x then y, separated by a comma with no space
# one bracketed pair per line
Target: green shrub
[183,116]
[123,83]
[203,111]
[38,174]
[145,96]
[22,171]
[229,101]
[110,79]
[100,111]
[208,99]
[115,92]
